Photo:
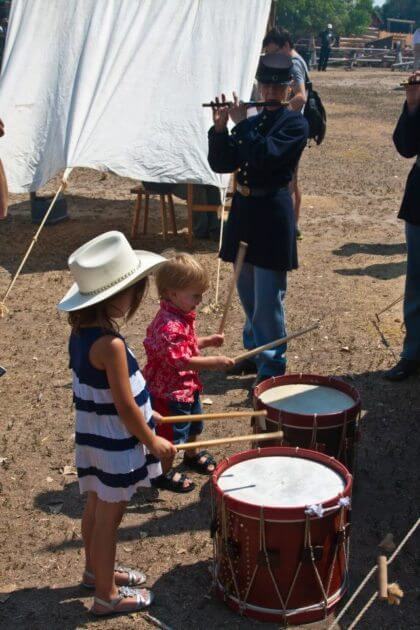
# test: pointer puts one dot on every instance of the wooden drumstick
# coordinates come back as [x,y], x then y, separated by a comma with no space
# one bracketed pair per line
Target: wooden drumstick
[211,416]
[240,257]
[274,344]
[382,577]
[230,440]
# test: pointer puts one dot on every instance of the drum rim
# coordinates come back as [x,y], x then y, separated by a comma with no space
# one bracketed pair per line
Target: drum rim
[292,612]
[307,379]
[297,512]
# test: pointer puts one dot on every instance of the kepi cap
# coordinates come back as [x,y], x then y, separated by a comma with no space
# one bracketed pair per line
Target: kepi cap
[275,68]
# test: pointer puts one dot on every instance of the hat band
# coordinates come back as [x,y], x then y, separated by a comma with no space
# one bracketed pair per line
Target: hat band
[111,284]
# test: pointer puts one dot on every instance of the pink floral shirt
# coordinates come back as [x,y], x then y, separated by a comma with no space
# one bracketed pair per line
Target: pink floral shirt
[170,343]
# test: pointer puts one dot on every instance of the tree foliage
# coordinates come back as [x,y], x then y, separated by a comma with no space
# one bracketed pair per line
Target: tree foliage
[309,17]
[402,9]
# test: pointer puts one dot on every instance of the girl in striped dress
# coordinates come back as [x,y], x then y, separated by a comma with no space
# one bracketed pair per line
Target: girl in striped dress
[116,446]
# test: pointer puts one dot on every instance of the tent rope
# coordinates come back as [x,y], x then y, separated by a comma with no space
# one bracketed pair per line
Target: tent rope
[3,308]
[367,578]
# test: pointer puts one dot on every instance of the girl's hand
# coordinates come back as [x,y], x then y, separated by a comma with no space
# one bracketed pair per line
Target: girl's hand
[413,92]
[216,340]
[162,449]
[220,115]
[220,363]
[237,111]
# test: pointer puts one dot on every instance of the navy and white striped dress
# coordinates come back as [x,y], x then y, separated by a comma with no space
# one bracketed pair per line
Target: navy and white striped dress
[109,460]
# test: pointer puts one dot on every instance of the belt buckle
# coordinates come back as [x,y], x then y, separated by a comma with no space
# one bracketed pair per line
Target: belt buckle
[245,191]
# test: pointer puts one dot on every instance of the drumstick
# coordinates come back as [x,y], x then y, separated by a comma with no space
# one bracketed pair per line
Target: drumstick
[196,417]
[240,257]
[382,577]
[274,344]
[384,310]
[229,440]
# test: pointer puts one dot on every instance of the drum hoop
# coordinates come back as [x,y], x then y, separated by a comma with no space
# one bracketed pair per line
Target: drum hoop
[308,379]
[286,451]
[328,512]
[298,426]
[332,599]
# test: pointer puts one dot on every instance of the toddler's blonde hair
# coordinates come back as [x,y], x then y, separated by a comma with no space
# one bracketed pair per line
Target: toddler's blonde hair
[180,272]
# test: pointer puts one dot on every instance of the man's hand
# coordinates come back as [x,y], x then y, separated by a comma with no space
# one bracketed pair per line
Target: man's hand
[413,92]
[237,111]
[220,115]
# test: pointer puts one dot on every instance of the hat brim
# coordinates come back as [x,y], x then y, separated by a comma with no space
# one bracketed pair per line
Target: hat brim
[74,300]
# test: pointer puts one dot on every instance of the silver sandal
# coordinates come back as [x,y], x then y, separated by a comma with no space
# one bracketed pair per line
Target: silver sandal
[135,578]
[125,592]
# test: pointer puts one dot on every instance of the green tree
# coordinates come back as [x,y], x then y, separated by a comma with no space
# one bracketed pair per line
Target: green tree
[309,17]
[402,9]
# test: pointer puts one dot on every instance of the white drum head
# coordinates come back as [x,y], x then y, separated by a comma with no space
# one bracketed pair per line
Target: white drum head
[301,398]
[281,481]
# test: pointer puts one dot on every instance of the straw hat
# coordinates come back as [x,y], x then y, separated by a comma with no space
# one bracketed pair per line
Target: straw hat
[104,266]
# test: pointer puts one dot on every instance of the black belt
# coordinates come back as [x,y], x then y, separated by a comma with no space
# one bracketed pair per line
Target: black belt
[246,191]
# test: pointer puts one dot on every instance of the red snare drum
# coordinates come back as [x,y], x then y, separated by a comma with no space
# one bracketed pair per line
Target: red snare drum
[281,533]
[317,412]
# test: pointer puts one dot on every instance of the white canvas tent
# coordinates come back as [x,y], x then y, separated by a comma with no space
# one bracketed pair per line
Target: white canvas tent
[118,84]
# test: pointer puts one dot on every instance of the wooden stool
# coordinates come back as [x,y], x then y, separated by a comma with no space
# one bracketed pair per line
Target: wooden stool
[140,191]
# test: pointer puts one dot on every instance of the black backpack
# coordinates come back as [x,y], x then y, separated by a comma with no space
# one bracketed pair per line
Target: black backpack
[315,114]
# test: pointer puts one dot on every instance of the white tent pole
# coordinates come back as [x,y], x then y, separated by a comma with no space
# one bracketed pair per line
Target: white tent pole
[219,261]
[3,307]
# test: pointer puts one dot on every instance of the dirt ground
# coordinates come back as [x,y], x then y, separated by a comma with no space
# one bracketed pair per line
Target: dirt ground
[352,263]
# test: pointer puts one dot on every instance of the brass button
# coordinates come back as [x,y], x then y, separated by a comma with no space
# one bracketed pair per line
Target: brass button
[245,181]
[246,163]
[240,141]
[245,173]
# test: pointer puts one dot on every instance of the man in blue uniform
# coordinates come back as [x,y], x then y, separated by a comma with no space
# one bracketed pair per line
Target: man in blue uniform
[264,150]
[407,143]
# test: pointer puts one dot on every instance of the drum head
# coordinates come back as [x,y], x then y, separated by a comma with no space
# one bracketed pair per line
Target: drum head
[281,481]
[301,398]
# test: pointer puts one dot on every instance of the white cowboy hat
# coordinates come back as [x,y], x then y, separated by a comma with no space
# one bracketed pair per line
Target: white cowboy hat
[104,266]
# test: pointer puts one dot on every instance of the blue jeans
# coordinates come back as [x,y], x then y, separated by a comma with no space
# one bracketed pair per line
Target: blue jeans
[411,347]
[262,293]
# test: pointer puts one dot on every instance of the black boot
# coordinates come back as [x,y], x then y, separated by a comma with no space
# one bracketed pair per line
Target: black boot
[403,369]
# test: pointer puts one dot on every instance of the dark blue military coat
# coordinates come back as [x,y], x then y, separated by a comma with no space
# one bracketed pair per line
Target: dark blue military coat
[265,149]
[407,142]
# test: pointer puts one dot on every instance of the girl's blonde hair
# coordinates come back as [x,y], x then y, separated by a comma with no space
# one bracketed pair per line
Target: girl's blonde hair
[180,272]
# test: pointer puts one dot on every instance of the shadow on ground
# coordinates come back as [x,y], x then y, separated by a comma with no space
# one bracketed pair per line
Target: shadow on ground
[382,271]
[376,249]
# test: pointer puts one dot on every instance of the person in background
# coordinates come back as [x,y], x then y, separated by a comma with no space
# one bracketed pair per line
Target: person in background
[407,142]
[4,192]
[327,38]
[281,41]
[265,150]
